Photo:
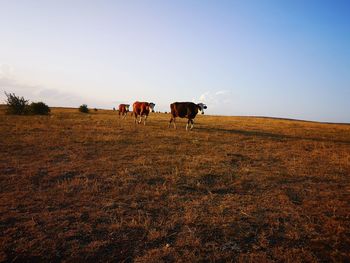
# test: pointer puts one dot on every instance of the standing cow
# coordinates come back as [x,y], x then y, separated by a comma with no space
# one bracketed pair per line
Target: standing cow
[142,109]
[187,110]
[123,110]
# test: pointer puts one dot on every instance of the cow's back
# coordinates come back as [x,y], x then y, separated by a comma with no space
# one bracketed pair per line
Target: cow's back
[178,109]
[140,108]
[121,108]
[184,109]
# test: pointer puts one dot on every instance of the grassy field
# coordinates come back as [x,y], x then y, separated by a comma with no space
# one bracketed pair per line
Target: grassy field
[91,187]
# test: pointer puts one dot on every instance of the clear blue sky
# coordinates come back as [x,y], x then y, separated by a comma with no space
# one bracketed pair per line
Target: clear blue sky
[273,58]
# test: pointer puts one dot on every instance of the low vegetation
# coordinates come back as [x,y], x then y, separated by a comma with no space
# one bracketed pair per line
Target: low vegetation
[19,106]
[39,108]
[16,105]
[242,189]
[84,108]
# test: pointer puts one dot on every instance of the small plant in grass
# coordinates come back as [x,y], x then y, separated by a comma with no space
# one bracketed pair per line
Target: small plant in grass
[95,109]
[39,108]
[16,105]
[84,108]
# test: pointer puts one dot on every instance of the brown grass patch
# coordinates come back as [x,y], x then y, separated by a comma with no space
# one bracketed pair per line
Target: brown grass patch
[92,187]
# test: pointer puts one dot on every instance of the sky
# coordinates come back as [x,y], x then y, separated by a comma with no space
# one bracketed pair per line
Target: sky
[274,58]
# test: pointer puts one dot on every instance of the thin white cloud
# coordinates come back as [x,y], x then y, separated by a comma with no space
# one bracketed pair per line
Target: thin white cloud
[215,98]
[222,92]
[6,71]
[10,83]
[50,96]
[219,101]
[205,97]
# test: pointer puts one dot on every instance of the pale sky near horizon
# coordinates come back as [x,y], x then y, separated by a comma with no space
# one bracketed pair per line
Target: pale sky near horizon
[273,58]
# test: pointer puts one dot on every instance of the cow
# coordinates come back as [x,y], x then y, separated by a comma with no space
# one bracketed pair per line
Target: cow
[142,109]
[123,110]
[187,110]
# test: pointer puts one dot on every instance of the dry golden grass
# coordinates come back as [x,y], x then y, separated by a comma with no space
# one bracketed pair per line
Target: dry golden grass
[91,187]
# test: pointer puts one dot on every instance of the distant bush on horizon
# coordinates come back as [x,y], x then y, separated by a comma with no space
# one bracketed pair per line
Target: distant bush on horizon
[19,106]
[84,108]
[16,105]
[39,108]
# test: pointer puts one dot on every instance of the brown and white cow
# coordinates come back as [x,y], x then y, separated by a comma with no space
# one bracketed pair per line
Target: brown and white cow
[187,110]
[123,110]
[142,109]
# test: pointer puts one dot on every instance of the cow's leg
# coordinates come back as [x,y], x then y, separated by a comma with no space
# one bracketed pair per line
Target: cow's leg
[140,119]
[188,122]
[124,116]
[172,119]
[135,118]
[192,124]
[144,121]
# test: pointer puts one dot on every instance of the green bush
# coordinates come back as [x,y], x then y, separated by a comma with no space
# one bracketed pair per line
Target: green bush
[19,106]
[39,108]
[84,108]
[16,105]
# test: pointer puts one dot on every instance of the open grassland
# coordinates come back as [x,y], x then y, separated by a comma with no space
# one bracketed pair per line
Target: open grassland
[91,187]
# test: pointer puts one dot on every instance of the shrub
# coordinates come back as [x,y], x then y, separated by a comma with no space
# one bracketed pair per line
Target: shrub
[84,108]
[39,108]
[95,109]
[16,105]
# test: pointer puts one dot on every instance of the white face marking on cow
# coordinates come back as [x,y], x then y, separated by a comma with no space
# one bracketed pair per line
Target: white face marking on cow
[202,107]
[151,106]
[127,107]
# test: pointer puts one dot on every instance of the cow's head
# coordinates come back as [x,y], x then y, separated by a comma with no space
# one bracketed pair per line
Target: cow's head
[151,106]
[127,106]
[201,107]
